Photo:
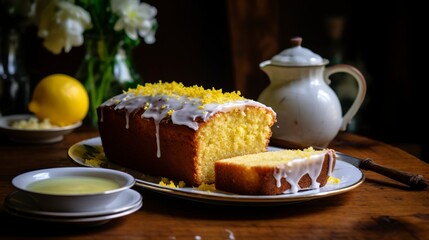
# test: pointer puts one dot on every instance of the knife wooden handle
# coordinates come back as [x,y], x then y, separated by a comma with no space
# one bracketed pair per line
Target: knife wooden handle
[415,181]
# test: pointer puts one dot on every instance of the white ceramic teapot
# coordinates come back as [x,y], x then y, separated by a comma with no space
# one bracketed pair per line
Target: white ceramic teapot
[308,110]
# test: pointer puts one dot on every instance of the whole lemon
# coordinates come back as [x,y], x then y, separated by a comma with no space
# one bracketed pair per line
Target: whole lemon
[60,98]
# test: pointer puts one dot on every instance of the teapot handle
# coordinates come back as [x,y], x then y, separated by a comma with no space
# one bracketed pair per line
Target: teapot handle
[360,79]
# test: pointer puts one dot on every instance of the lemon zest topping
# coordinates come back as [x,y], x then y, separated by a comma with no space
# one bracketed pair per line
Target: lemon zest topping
[178,90]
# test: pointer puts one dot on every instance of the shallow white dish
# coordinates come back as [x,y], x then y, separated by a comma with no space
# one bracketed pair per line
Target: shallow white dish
[33,135]
[350,178]
[20,202]
[79,195]
[84,221]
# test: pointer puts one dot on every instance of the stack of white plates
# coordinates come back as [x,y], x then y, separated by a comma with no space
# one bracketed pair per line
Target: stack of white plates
[21,205]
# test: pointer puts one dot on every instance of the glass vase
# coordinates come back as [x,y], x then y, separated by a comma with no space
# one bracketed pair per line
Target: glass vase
[106,71]
[14,80]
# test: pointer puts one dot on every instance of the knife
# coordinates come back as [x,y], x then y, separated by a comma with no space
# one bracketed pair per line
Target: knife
[414,181]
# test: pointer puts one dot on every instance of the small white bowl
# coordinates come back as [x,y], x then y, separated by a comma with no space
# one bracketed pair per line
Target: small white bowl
[50,135]
[73,189]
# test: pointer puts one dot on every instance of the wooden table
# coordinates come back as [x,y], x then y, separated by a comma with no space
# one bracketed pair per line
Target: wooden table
[380,208]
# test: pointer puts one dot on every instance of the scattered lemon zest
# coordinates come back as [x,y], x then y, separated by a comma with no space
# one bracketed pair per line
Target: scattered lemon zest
[207,187]
[333,180]
[94,157]
[165,182]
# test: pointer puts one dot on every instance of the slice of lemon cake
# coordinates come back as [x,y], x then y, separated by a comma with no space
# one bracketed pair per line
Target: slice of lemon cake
[169,130]
[275,172]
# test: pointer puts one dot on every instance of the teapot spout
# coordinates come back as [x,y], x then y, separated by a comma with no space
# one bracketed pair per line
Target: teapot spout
[267,67]
[280,74]
[264,64]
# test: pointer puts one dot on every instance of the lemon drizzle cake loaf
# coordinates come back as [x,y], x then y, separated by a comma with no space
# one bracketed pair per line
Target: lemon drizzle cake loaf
[169,130]
[275,172]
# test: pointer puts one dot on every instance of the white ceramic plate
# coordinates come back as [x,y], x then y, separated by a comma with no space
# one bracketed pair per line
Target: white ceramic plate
[82,221]
[350,178]
[20,202]
[33,135]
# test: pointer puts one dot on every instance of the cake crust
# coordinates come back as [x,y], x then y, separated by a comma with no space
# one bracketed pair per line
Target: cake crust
[136,147]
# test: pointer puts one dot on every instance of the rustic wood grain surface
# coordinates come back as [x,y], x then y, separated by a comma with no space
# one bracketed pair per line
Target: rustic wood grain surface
[380,208]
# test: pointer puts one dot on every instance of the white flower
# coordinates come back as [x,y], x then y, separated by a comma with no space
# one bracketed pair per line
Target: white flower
[62,24]
[135,19]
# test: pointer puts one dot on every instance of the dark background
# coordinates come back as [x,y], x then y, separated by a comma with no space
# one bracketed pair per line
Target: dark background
[221,43]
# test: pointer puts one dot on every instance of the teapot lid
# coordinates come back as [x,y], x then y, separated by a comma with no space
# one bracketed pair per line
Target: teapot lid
[298,56]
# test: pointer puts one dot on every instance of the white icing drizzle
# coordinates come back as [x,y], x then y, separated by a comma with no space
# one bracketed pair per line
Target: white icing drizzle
[331,161]
[183,110]
[295,169]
